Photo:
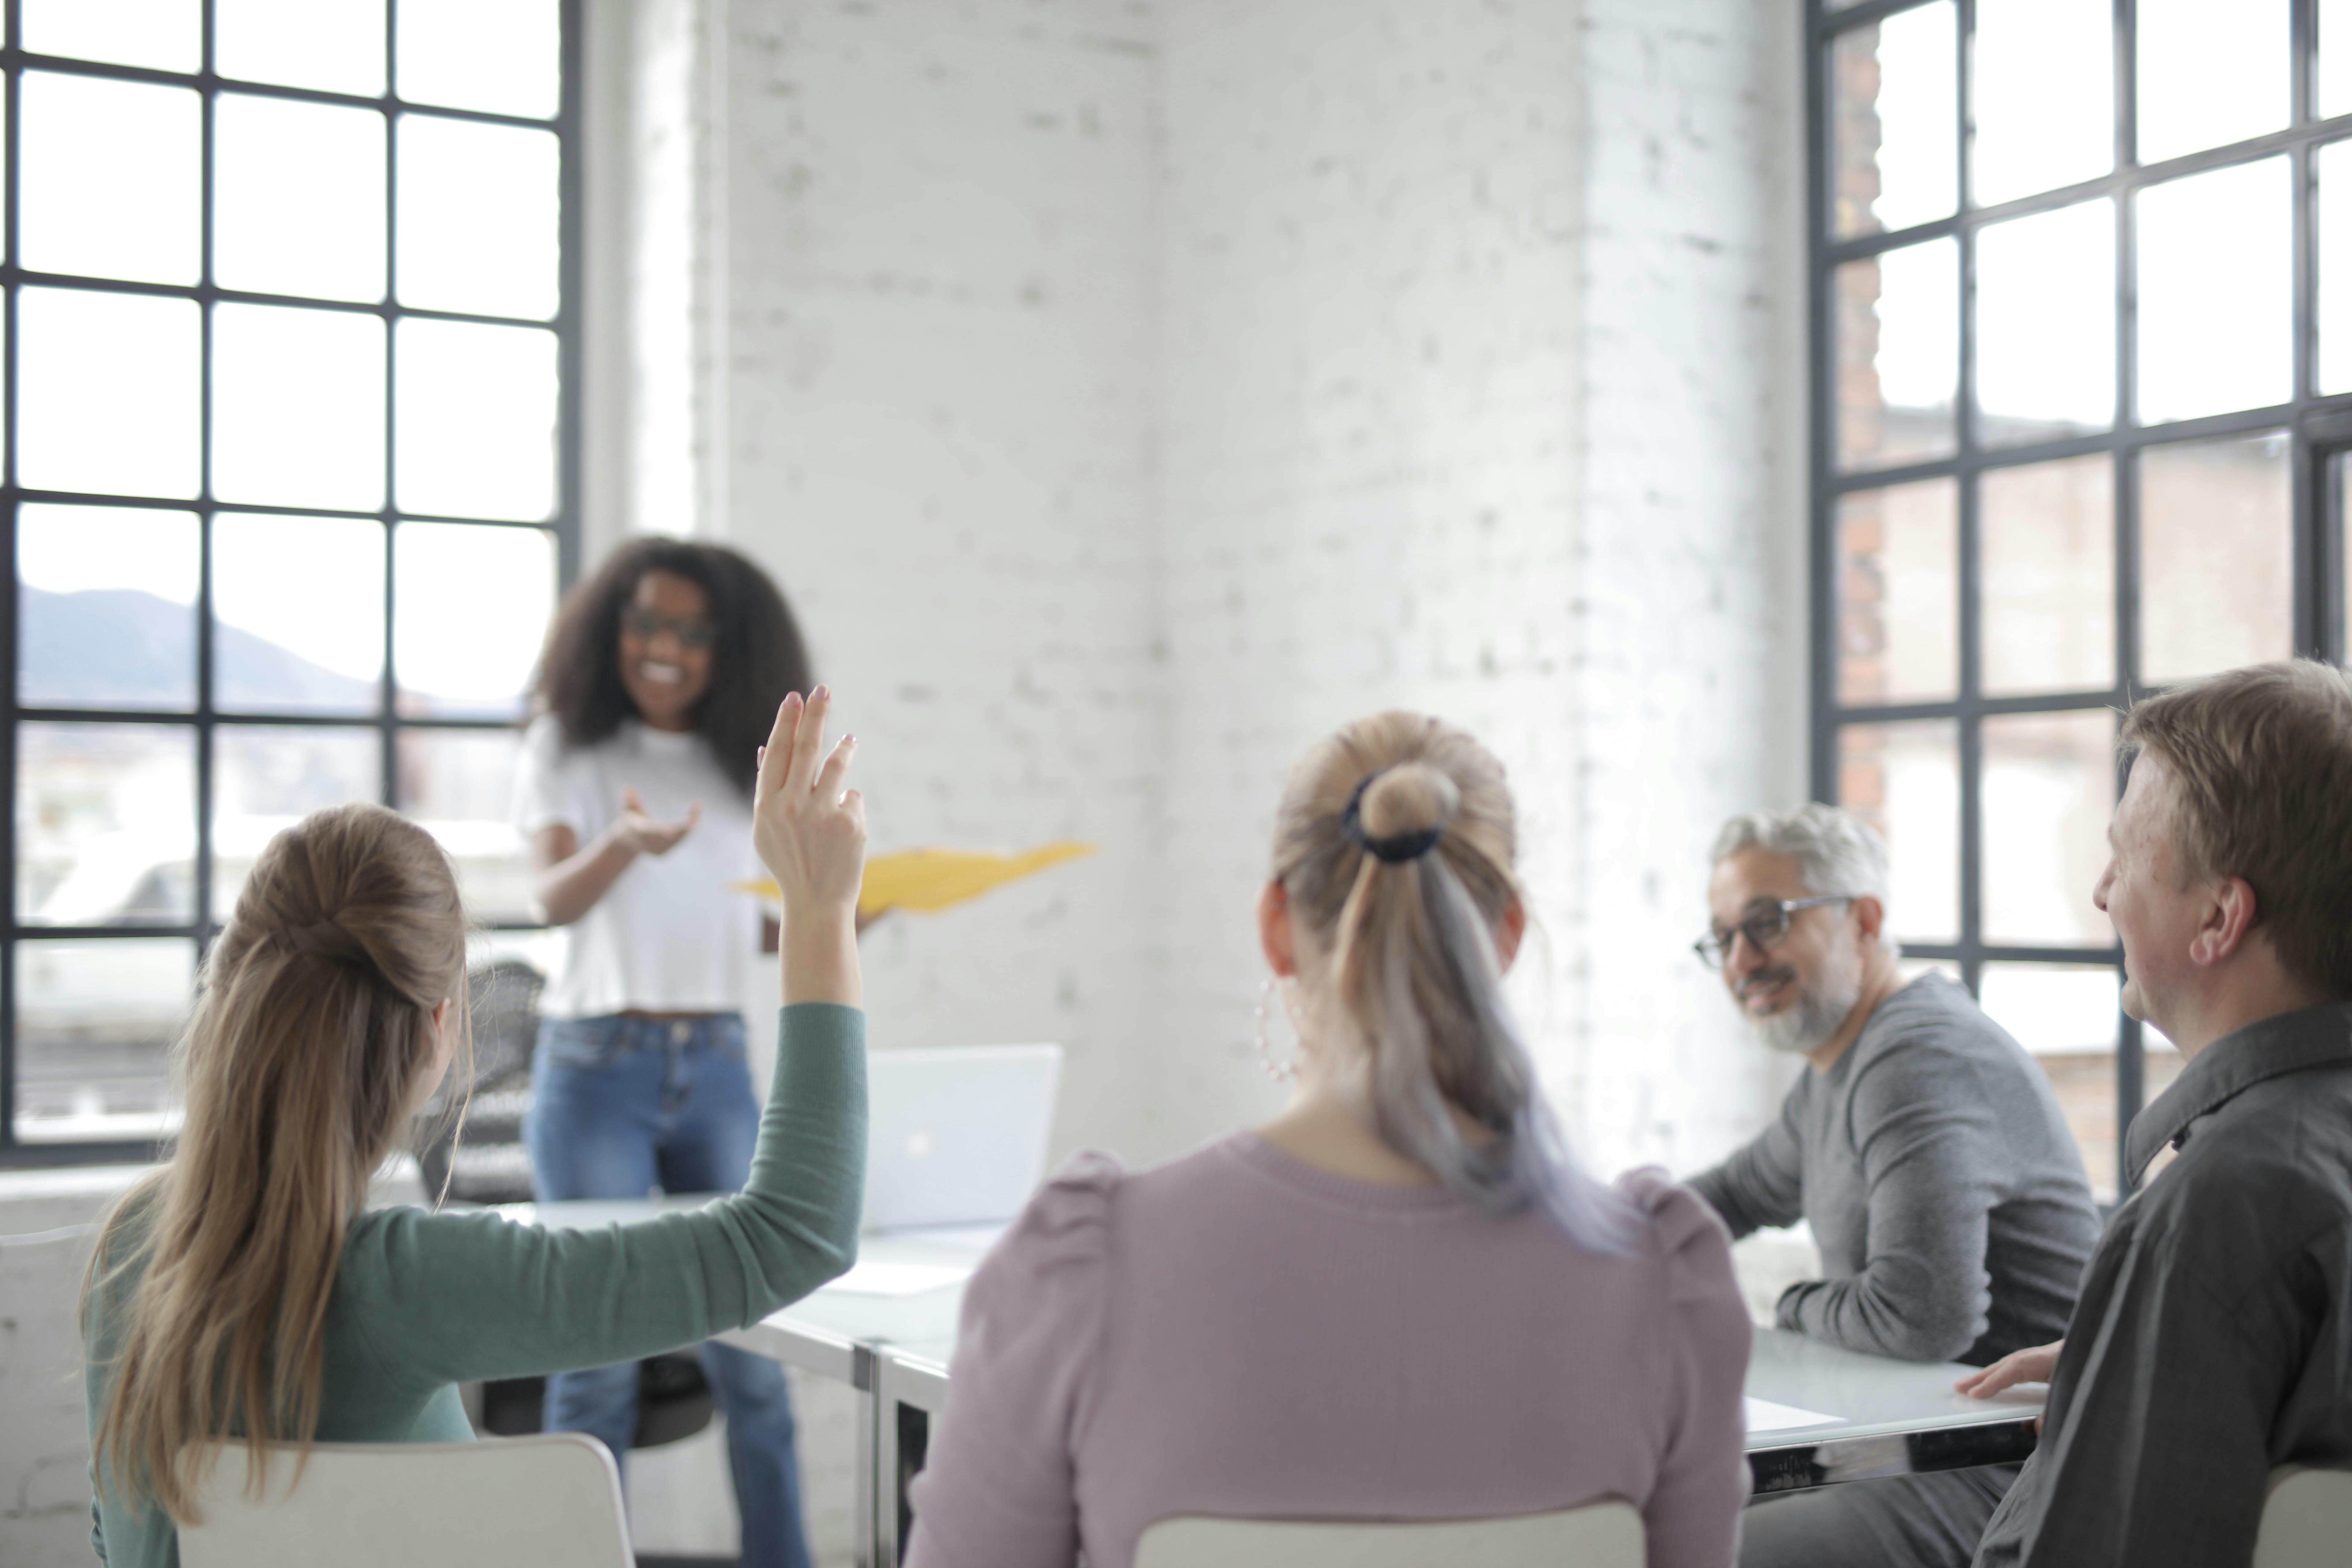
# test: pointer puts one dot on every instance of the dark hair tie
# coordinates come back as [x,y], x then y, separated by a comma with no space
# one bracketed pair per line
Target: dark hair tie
[1394,851]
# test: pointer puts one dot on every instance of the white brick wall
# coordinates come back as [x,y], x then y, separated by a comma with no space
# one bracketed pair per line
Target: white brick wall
[1128,395]
[1481,322]
[1691,667]
[942,386]
[1372,454]
[44,1224]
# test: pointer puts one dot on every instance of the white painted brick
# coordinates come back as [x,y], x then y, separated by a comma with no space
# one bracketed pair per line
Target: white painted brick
[943,355]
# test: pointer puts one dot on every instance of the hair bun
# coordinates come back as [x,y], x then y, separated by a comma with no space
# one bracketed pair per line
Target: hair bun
[1409,798]
[319,939]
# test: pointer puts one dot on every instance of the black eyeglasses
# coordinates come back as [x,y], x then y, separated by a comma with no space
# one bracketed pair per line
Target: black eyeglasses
[692,631]
[1763,929]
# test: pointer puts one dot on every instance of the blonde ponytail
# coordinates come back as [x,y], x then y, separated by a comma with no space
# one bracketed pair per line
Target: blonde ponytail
[313,1023]
[1394,844]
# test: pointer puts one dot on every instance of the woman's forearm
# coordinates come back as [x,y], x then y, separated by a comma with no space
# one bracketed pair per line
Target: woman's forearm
[820,959]
[570,886]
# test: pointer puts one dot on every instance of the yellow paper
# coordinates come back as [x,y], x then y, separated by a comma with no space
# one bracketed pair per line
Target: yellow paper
[929,879]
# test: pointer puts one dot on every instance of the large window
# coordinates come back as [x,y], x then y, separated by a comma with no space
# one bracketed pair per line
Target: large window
[287,352]
[2081,295]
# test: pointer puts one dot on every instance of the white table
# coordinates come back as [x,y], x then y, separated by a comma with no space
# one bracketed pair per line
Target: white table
[883,1333]
[841,1332]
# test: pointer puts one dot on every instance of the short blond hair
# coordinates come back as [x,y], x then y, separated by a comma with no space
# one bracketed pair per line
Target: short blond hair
[2262,759]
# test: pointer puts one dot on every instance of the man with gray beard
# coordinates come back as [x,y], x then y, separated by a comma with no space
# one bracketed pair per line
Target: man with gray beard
[1923,1147]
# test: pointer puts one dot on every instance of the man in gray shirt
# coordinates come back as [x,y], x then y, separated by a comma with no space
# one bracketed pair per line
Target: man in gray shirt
[1923,1147]
[2213,1340]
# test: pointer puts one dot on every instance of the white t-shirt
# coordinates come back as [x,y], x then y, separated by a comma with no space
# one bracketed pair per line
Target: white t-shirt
[670,935]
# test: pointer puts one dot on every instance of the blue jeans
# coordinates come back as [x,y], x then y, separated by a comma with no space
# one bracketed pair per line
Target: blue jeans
[620,1106]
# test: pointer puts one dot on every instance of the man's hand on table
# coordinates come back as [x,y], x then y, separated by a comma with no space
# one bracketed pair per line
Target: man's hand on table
[2034,1364]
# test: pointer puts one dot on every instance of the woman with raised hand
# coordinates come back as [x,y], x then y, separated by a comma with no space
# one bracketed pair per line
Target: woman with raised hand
[1398,1299]
[243,1290]
[661,672]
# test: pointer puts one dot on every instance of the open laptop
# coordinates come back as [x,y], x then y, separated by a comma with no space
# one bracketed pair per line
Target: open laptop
[957,1134]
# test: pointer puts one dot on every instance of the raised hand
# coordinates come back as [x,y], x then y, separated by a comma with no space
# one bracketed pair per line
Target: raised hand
[810,831]
[644,835]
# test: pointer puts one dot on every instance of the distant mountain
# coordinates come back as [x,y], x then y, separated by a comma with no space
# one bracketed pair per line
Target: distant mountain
[116,647]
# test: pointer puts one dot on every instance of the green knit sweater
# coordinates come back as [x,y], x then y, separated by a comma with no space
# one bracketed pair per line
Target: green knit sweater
[424,1301]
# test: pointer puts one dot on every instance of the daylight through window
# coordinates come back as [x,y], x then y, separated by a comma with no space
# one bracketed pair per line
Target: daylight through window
[286,344]
[2082,305]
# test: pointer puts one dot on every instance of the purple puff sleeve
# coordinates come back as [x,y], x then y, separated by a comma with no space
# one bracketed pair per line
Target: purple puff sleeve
[998,1488]
[1692,1515]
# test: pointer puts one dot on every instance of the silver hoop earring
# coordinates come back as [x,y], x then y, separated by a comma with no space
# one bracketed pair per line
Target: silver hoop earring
[1280,1071]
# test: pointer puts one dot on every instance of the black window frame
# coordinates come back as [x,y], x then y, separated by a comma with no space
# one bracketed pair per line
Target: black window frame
[564,523]
[2319,428]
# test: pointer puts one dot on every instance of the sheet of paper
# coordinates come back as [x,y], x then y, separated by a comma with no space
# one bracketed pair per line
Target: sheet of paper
[931,879]
[1764,1415]
[898,1278]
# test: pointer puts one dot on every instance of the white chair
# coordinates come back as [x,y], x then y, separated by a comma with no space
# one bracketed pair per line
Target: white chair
[502,1502]
[2306,1520]
[1597,1535]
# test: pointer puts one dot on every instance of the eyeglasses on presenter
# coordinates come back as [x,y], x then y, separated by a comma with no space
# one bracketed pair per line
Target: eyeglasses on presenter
[692,631]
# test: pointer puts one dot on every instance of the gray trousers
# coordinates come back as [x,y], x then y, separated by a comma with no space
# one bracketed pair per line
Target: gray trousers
[1903,1522]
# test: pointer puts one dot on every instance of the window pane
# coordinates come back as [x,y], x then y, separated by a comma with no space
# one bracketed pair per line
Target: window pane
[106,823]
[2044,110]
[477,411]
[1898,587]
[162,35]
[2067,1016]
[267,777]
[2333,163]
[2210,75]
[108,393]
[2046,325]
[299,198]
[2048,586]
[478,209]
[2337,499]
[459,785]
[300,608]
[2332,92]
[333,45]
[2216,556]
[1896,122]
[107,598]
[95,1022]
[472,607]
[112,173]
[2216,327]
[2049,789]
[1905,781]
[298,406]
[501,56]
[1898,346]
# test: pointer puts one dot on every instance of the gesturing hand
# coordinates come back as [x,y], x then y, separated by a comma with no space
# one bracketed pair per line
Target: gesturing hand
[639,830]
[809,831]
[2034,1364]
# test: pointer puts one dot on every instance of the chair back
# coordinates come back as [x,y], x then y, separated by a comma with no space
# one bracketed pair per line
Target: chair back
[1597,1535]
[514,1502]
[2306,1520]
[485,1162]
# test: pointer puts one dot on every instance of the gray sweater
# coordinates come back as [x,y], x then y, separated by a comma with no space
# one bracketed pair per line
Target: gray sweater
[1943,1189]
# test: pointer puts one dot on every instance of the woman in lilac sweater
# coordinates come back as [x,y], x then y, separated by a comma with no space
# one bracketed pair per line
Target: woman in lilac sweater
[1401,1298]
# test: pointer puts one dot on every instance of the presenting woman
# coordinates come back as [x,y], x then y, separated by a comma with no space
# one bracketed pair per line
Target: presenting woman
[662,673]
